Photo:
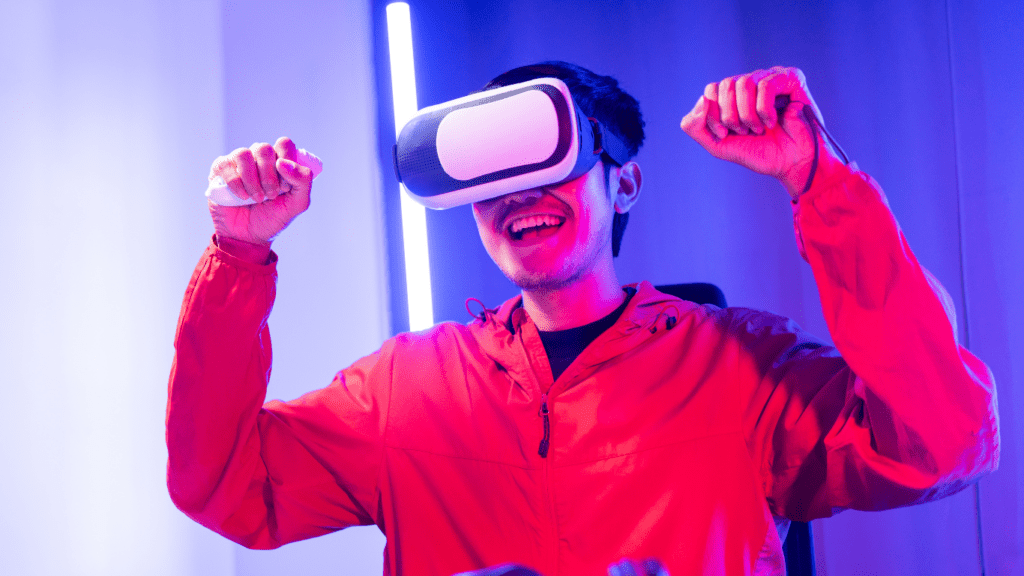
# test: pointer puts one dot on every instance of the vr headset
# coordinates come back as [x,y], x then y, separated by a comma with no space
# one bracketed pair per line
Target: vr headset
[500,141]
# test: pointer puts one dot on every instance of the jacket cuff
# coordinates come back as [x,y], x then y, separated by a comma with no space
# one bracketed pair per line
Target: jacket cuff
[836,178]
[269,267]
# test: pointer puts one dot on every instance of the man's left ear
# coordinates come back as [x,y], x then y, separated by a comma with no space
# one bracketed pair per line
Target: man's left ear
[628,190]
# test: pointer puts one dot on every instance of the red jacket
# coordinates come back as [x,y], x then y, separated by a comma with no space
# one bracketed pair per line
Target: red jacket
[676,434]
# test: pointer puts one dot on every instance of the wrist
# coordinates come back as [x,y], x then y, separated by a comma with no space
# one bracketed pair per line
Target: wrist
[795,179]
[799,179]
[256,253]
[830,168]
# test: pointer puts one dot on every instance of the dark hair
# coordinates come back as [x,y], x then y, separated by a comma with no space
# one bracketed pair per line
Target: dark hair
[599,97]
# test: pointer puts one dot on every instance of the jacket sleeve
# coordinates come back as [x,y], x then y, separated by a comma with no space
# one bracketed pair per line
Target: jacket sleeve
[264,475]
[898,412]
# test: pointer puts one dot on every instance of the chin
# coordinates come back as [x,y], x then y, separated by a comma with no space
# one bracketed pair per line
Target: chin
[539,280]
[548,268]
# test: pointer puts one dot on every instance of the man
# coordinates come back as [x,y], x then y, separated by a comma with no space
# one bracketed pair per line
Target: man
[584,422]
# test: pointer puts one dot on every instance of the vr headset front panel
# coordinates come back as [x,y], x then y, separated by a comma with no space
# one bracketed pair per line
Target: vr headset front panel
[489,144]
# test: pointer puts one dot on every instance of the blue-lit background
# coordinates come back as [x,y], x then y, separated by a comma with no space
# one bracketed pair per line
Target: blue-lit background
[112,111]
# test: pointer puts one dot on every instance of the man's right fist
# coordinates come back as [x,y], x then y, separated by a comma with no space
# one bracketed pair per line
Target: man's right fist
[269,175]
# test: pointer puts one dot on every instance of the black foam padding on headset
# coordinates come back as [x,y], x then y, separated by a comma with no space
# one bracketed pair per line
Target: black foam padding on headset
[615,149]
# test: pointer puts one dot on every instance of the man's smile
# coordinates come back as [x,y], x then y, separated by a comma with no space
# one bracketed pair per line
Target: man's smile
[531,225]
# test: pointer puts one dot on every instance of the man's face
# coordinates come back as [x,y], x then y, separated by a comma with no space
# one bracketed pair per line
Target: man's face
[551,237]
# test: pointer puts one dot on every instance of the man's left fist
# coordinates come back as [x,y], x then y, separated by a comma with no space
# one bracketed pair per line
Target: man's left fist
[736,120]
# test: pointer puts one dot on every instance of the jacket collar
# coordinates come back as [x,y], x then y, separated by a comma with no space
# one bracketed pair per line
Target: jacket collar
[509,337]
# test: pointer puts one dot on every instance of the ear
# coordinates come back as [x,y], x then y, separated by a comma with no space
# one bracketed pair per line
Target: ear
[628,190]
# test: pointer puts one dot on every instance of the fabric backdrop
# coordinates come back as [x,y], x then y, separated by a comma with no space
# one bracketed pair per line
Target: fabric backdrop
[924,96]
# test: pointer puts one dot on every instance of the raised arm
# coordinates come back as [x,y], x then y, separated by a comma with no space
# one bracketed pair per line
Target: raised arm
[905,414]
[262,475]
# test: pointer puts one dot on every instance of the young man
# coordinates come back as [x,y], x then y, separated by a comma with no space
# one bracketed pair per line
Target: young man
[583,422]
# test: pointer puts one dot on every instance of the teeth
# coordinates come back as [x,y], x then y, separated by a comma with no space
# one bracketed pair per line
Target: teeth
[521,224]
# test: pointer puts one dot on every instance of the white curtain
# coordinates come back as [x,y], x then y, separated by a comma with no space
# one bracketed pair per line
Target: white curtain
[110,114]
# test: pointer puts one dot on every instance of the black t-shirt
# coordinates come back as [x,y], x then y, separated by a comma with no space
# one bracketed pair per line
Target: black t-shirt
[563,346]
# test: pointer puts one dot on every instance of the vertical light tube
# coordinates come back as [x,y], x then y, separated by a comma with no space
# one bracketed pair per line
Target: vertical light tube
[414,217]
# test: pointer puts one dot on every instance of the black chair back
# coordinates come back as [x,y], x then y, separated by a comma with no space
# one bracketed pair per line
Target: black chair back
[699,292]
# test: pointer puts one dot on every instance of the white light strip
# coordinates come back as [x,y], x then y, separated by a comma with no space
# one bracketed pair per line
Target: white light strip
[414,217]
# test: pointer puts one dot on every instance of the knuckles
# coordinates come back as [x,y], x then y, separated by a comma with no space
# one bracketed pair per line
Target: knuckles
[752,85]
[251,172]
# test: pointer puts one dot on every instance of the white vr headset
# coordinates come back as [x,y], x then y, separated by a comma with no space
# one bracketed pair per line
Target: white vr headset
[500,141]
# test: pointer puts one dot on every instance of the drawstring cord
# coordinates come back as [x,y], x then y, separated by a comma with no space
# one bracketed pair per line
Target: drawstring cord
[670,319]
[485,313]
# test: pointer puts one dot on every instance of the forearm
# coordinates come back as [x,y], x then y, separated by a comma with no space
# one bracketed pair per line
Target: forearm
[928,403]
[217,386]
[897,413]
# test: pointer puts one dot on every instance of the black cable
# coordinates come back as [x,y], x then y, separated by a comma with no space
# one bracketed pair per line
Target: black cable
[781,102]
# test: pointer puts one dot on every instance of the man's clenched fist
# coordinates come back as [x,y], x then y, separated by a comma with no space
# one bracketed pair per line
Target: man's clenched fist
[269,175]
[736,120]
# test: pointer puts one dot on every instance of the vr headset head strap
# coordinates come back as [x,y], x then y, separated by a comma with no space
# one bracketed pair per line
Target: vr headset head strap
[608,144]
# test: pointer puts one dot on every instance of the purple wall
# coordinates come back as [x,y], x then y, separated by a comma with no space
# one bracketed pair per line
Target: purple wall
[926,97]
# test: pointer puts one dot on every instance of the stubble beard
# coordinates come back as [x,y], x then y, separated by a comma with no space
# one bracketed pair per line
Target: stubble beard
[573,267]
[543,280]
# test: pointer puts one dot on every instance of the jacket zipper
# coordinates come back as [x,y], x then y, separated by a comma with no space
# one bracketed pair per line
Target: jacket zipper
[552,552]
[543,413]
